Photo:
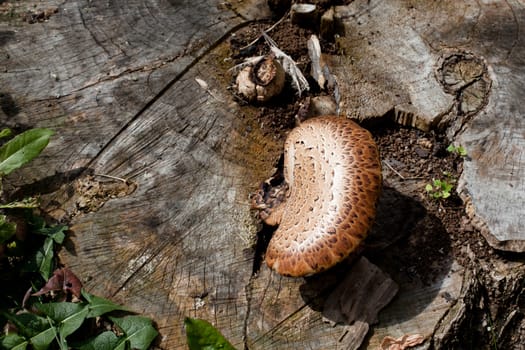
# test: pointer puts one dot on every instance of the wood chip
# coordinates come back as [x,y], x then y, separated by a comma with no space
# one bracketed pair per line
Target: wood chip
[358,299]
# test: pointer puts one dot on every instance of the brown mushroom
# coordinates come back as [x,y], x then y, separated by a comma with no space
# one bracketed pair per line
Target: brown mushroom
[333,173]
[262,80]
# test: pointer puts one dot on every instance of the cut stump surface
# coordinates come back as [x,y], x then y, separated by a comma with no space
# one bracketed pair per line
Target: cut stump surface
[121,83]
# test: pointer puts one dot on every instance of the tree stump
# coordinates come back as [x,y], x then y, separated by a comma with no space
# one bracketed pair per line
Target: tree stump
[153,162]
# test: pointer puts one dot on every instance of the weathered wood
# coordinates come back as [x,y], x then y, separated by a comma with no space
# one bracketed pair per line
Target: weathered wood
[455,65]
[117,83]
[184,238]
[392,66]
[338,307]
[92,68]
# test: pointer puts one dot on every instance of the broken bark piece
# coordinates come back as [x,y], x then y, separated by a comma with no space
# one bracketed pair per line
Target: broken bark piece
[318,64]
[359,298]
[304,15]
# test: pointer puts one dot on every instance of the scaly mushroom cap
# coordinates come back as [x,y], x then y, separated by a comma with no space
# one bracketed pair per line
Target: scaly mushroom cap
[333,171]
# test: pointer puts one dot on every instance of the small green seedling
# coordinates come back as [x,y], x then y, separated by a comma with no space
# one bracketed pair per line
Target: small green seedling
[459,150]
[441,189]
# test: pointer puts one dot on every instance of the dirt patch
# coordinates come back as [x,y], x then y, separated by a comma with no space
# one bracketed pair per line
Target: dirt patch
[94,191]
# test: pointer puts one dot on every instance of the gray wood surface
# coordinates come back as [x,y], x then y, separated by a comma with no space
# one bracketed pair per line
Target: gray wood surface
[454,65]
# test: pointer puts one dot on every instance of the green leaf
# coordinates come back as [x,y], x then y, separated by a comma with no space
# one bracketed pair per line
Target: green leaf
[104,341]
[28,325]
[22,149]
[13,341]
[42,261]
[38,329]
[22,346]
[429,188]
[7,229]
[99,306]
[202,335]
[26,203]
[68,316]
[42,340]
[5,133]
[139,332]
[45,259]
[55,232]
[36,222]
[62,342]
[73,322]
[459,150]
[59,311]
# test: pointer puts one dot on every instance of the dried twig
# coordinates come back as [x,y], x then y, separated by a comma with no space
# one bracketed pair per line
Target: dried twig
[112,177]
[204,85]
[299,82]
[399,174]
[250,61]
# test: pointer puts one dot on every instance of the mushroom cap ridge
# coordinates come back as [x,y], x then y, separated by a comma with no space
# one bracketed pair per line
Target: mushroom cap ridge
[333,171]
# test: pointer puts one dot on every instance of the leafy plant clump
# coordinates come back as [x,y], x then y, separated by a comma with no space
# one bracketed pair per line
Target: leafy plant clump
[26,242]
[441,188]
[63,325]
[55,312]
[458,150]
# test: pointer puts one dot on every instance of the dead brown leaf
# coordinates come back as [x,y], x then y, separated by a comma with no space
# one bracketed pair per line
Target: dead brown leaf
[63,280]
[405,342]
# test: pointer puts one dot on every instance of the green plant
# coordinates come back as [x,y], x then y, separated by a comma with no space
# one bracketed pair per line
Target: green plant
[55,312]
[63,324]
[459,150]
[14,154]
[441,188]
